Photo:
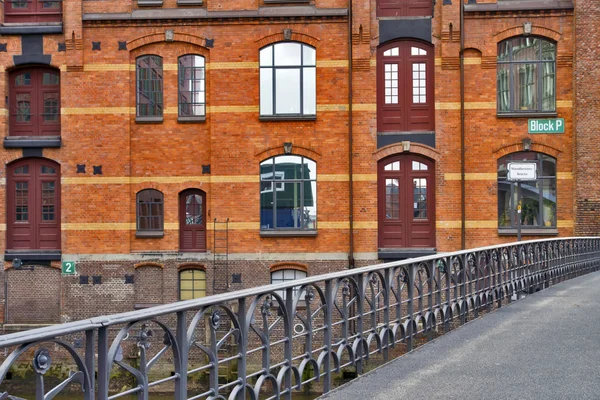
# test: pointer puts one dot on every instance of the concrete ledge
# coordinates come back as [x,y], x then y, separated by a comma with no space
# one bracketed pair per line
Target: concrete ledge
[521,5]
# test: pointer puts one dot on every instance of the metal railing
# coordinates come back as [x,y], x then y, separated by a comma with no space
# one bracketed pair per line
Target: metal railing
[277,339]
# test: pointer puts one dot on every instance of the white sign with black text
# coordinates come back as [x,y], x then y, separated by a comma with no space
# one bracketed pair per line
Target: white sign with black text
[522,171]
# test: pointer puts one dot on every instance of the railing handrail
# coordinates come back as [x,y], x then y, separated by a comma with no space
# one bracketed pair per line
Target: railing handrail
[153,312]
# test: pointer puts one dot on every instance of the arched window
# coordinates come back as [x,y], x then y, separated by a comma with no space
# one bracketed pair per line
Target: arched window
[149,78]
[405,90]
[150,213]
[34,102]
[285,273]
[192,90]
[192,284]
[288,193]
[288,80]
[33,196]
[537,197]
[526,75]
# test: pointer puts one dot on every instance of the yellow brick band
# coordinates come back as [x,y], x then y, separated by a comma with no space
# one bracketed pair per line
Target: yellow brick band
[489,224]
[364,177]
[96,110]
[332,107]
[492,176]
[232,109]
[332,64]
[364,107]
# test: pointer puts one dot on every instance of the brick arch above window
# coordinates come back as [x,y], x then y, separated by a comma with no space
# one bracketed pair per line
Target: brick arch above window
[288,265]
[191,265]
[534,147]
[415,148]
[299,149]
[160,38]
[541,31]
[296,37]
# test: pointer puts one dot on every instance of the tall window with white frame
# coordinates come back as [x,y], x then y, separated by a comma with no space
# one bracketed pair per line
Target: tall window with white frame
[192,90]
[526,78]
[288,80]
[288,194]
[536,197]
[149,72]
[287,275]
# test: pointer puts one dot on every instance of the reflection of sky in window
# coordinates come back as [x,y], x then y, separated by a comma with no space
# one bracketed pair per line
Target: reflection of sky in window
[287,54]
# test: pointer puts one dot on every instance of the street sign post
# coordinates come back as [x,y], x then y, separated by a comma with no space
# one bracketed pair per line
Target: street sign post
[68,267]
[554,125]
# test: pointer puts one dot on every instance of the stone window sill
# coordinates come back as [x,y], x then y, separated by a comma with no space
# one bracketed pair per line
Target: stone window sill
[285,1]
[32,255]
[150,234]
[149,120]
[528,231]
[527,114]
[191,120]
[288,233]
[31,28]
[20,142]
[150,3]
[288,117]
[189,2]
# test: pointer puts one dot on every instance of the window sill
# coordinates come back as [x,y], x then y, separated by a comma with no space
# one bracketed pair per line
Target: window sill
[527,114]
[149,234]
[150,3]
[528,231]
[33,255]
[404,253]
[149,120]
[288,233]
[288,118]
[19,142]
[285,1]
[33,28]
[189,2]
[191,120]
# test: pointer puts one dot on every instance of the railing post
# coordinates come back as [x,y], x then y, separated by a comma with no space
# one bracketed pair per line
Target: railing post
[181,369]
[242,343]
[103,363]
[463,289]
[289,332]
[359,323]
[328,334]
[409,306]
[430,285]
[90,364]
[386,312]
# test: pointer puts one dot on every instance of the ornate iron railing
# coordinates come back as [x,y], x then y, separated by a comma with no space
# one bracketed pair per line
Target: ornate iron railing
[276,339]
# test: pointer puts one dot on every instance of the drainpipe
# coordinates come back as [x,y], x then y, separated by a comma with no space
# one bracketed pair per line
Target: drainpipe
[462,127]
[350,166]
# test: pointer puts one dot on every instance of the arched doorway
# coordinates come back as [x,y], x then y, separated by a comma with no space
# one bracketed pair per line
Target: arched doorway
[192,220]
[406,202]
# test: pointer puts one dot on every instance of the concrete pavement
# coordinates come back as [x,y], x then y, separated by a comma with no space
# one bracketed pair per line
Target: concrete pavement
[545,346]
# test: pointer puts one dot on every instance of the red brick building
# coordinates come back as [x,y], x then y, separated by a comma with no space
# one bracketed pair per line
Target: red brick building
[319,134]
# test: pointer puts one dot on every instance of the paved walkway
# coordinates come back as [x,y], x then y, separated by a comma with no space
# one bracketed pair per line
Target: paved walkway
[546,346]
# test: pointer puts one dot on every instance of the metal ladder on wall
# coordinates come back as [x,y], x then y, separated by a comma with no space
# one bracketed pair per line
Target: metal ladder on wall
[221,285]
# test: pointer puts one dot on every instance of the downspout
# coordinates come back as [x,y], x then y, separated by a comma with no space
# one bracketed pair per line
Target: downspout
[350,166]
[462,128]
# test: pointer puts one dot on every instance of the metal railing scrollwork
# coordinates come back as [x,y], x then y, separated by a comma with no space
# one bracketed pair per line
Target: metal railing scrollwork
[278,339]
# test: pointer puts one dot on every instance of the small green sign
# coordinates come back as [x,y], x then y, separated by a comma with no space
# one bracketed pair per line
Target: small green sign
[68,267]
[554,125]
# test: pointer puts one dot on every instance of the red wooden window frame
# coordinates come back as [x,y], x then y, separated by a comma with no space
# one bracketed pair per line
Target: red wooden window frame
[43,117]
[404,8]
[33,205]
[406,115]
[20,11]
[192,236]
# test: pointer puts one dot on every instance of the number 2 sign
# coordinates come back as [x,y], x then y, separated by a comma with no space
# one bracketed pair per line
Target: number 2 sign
[68,267]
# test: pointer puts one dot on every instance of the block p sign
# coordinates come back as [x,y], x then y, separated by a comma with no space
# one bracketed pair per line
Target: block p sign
[68,267]
[554,125]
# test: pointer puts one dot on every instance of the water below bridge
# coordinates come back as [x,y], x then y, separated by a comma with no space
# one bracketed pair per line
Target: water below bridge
[546,346]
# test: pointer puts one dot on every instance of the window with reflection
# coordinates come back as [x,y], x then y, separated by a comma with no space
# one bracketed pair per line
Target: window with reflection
[537,197]
[192,91]
[150,211]
[288,80]
[34,102]
[526,77]
[286,275]
[192,284]
[288,193]
[149,80]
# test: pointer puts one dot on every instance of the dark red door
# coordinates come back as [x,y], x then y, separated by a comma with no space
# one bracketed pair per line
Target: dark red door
[405,90]
[34,102]
[404,8]
[33,11]
[192,220]
[33,210]
[406,202]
